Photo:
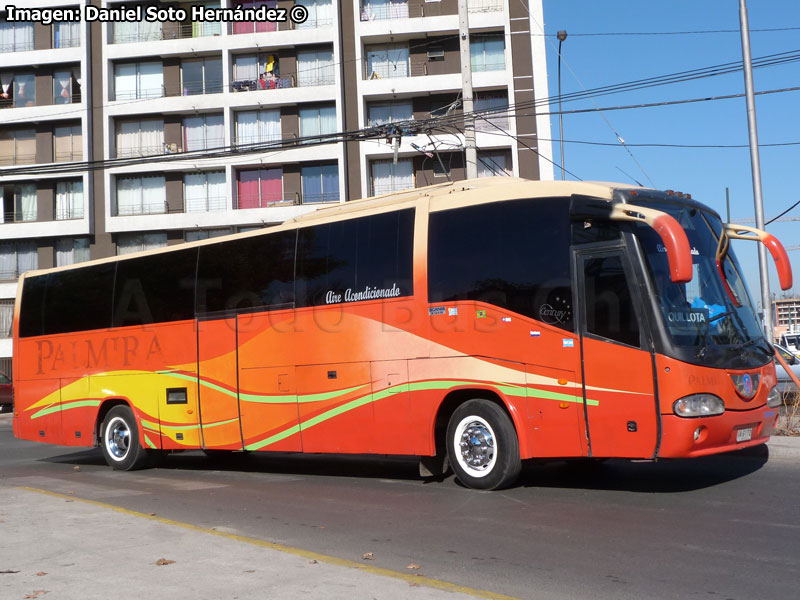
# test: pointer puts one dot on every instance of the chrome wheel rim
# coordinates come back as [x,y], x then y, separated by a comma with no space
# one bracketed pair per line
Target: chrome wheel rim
[476,446]
[118,438]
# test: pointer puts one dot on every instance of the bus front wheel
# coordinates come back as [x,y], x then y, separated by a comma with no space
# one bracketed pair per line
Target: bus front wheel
[120,440]
[482,446]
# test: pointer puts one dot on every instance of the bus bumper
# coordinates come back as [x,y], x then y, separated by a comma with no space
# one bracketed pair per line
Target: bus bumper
[733,430]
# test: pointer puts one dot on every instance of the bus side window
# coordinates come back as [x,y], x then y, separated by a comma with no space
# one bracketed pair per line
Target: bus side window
[513,254]
[371,256]
[155,289]
[247,273]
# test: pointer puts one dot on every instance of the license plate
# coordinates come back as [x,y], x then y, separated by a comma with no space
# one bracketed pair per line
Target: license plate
[743,435]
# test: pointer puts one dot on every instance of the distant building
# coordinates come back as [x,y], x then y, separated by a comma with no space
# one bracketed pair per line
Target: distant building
[72,92]
[786,312]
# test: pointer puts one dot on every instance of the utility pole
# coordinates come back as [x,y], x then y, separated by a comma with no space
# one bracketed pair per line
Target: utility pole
[561,35]
[470,154]
[755,165]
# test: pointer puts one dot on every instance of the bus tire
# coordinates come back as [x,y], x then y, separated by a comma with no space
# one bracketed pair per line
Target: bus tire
[120,440]
[482,446]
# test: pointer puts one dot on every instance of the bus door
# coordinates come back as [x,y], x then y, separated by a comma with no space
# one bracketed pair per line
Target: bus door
[620,402]
[218,385]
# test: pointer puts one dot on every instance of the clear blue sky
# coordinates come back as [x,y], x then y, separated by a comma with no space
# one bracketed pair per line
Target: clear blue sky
[594,61]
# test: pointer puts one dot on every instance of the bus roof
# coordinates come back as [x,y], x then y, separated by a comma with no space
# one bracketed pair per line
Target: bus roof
[442,196]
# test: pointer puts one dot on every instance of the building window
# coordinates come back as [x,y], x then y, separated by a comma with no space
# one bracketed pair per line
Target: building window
[24,89]
[20,203]
[66,34]
[128,243]
[141,195]
[67,145]
[16,37]
[257,126]
[201,76]
[16,258]
[205,234]
[320,14]
[258,72]
[203,132]
[378,10]
[317,120]
[315,67]
[6,321]
[202,28]
[497,104]
[140,138]
[136,31]
[204,191]
[488,52]
[257,188]
[387,61]
[257,26]
[320,183]
[62,87]
[388,176]
[493,163]
[17,147]
[69,200]
[136,81]
[381,113]
[70,251]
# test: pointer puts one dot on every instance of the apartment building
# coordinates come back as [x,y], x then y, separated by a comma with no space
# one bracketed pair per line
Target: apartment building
[786,316]
[123,136]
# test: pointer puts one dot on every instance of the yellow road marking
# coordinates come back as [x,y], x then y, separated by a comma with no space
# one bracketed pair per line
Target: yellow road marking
[332,560]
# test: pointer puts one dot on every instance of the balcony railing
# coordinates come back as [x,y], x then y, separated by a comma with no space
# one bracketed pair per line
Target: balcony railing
[138,151]
[16,46]
[205,204]
[480,6]
[153,208]
[19,159]
[67,213]
[245,201]
[252,85]
[170,31]
[143,94]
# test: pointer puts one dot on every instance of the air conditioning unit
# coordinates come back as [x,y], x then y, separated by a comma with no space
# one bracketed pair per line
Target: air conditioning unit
[436,53]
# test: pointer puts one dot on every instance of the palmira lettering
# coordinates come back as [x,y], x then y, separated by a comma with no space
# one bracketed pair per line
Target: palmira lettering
[368,293]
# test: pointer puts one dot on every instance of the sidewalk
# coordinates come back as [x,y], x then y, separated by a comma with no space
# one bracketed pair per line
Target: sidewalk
[59,548]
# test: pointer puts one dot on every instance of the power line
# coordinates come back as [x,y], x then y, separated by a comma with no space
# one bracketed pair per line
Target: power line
[696,32]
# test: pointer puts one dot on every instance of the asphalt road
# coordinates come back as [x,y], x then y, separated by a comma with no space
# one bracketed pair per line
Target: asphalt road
[715,528]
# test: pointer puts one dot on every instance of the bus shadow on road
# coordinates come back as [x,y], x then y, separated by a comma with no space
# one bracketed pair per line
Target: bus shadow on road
[663,476]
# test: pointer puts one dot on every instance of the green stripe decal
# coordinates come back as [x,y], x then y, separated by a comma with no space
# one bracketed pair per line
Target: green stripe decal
[65,406]
[273,438]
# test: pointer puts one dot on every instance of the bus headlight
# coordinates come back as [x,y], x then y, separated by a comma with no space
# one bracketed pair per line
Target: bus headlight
[774,398]
[699,405]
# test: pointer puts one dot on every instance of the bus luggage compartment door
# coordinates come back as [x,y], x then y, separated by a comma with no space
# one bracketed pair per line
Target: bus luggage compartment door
[218,385]
[621,412]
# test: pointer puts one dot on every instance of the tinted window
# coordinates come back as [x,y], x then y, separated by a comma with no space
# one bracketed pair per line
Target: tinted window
[155,289]
[246,273]
[78,299]
[358,259]
[31,318]
[513,254]
[609,307]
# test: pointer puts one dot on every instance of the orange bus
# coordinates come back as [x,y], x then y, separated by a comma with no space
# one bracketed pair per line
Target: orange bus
[473,324]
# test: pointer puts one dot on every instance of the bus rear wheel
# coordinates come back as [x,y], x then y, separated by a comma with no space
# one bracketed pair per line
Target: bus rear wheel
[482,446]
[120,440]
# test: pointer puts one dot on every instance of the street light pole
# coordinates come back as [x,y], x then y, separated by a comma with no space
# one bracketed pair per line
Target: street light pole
[755,165]
[561,35]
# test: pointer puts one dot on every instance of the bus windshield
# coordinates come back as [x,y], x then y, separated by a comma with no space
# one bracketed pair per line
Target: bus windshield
[703,323]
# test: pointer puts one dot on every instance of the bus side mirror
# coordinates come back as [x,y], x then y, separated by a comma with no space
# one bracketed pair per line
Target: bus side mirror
[679,253]
[776,249]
